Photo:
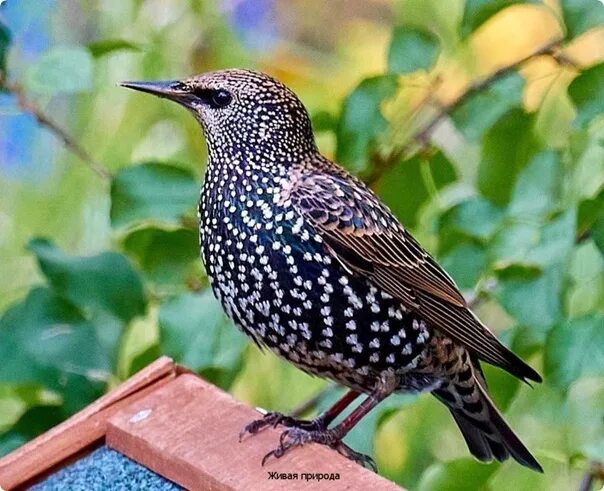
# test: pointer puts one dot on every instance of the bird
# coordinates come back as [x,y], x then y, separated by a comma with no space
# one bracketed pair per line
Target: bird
[311,265]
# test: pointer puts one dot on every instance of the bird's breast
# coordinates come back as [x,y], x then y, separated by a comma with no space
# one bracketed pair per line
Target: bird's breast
[278,281]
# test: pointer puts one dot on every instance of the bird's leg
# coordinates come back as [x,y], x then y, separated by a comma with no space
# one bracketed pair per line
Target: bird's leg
[297,436]
[321,422]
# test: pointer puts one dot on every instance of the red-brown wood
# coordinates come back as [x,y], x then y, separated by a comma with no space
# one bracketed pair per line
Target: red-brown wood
[81,430]
[188,431]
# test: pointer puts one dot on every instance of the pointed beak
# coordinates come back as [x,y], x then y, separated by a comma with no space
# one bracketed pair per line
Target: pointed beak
[171,89]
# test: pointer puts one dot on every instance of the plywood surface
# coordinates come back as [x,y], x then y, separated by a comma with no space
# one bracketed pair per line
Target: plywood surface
[188,431]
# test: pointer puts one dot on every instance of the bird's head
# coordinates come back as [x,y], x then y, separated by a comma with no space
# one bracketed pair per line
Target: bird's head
[240,110]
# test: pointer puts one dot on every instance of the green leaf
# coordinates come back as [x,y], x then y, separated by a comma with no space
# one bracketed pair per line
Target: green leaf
[47,341]
[61,70]
[519,271]
[361,121]
[10,441]
[477,218]
[587,93]
[15,400]
[457,475]
[478,114]
[195,332]
[581,16]
[503,160]
[324,121]
[536,191]
[575,349]
[597,233]
[156,192]
[105,283]
[412,49]
[410,174]
[590,211]
[585,292]
[109,46]
[5,41]
[477,12]
[164,255]
[465,264]
[502,387]
[535,243]
[533,302]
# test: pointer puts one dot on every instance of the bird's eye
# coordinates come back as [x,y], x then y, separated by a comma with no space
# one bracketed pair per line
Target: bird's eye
[220,98]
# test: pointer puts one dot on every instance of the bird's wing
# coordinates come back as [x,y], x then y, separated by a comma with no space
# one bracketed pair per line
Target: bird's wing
[367,239]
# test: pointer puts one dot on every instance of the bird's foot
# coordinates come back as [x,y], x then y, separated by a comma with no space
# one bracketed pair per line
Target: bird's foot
[297,437]
[274,419]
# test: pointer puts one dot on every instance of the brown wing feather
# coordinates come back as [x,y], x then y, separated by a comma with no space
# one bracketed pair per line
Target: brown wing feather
[364,236]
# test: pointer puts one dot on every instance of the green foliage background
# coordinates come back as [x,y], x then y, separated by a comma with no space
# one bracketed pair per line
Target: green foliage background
[101,275]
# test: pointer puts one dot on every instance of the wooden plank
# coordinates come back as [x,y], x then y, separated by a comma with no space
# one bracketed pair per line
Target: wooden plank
[188,432]
[81,430]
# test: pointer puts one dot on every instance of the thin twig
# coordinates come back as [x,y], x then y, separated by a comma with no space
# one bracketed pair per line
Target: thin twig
[422,136]
[26,105]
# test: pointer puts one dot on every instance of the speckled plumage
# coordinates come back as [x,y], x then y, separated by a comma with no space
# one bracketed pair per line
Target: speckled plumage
[312,265]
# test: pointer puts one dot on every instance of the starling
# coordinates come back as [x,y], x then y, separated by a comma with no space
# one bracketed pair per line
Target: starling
[309,263]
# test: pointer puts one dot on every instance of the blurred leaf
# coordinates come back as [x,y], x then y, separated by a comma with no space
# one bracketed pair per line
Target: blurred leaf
[457,475]
[587,92]
[597,233]
[477,12]
[152,191]
[324,121]
[104,283]
[61,71]
[39,419]
[501,160]
[533,302]
[502,387]
[15,400]
[361,121]
[585,292]
[536,191]
[465,264]
[412,49]
[519,271]
[164,255]
[586,432]
[589,212]
[535,243]
[10,441]
[144,359]
[574,349]
[195,332]
[477,218]
[5,41]
[409,174]
[108,46]
[47,341]
[581,15]
[480,111]
[528,340]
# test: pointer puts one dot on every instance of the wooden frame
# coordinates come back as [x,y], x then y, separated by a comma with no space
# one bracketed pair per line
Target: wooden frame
[187,430]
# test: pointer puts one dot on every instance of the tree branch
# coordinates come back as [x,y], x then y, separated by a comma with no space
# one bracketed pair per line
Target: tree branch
[26,105]
[422,136]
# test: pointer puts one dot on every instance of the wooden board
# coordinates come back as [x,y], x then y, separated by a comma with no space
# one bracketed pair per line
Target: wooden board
[82,430]
[188,432]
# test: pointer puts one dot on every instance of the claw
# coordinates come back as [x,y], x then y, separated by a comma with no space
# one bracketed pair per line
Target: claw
[359,458]
[269,419]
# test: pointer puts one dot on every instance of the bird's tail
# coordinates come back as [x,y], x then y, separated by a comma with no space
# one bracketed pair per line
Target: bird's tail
[485,431]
